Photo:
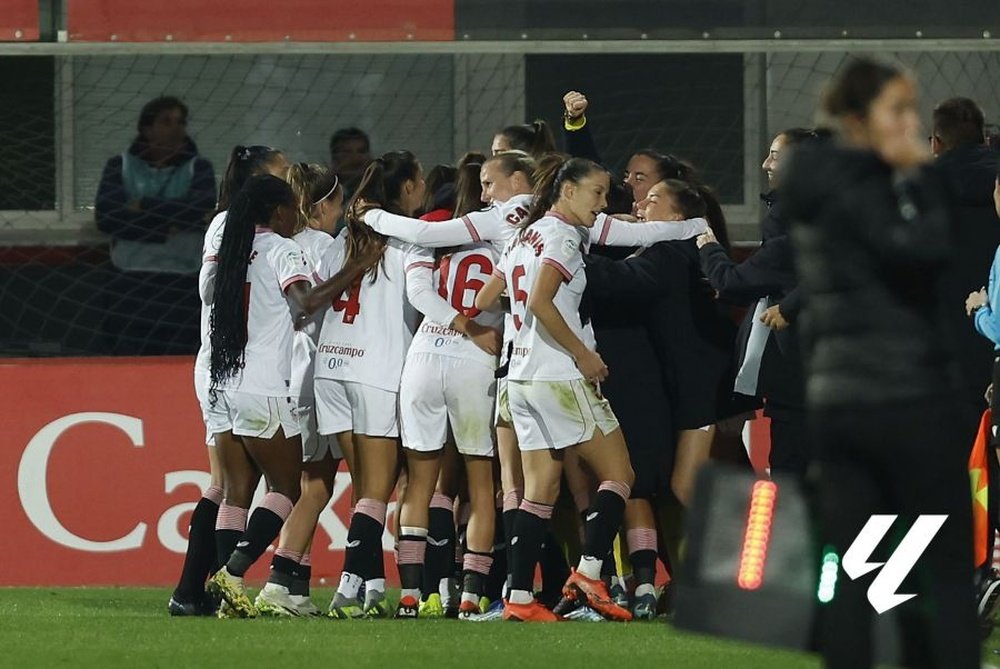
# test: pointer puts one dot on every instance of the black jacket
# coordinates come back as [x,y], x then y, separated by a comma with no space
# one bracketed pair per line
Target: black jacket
[661,291]
[580,144]
[768,273]
[871,249]
[972,171]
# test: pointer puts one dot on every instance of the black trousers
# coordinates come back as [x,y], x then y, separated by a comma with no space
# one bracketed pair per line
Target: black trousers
[789,439]
[906,459]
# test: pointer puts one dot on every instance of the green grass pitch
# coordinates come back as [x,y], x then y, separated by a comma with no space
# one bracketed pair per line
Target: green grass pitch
[112,627]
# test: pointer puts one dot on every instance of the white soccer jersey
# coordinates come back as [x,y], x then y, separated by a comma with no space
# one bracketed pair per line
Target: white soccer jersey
[368,329]
[549,241]
[458,278]
[206,288]
[275,263]
[319,247]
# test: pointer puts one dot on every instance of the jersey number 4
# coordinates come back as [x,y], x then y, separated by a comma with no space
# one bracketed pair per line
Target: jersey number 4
[351,306]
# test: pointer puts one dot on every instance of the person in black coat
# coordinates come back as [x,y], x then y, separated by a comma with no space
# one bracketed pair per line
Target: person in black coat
[872,229]
[959,142]
[770,365]
[680,359]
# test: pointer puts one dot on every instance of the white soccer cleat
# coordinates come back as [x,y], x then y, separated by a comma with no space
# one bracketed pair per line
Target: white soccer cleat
[274,600]
[305,607]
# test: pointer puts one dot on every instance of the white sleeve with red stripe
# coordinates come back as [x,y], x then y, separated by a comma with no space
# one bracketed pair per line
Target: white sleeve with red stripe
[610,231]
[474,227]
[562,252]
[290,264]
[206,282]
[420,287]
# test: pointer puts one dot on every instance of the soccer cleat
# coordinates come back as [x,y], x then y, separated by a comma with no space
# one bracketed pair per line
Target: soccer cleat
[988,604]
[644,607]
[345,608]
[225,611]
[585,614]
[305,607]
[432,606]
[451,607]
[529,613]
[409,608]
[492,613]
[231,589]
[595,593]
[376,605]
[179,607]
[274,600]
[467,609]
[619,594]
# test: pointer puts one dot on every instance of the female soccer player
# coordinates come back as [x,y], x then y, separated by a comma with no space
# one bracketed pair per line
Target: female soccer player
[262,277]
[320,199]
[448,380]
[202,557]
[360,358]
[533,138]
[552,381]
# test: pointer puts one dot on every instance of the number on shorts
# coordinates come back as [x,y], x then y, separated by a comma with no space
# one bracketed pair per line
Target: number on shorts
[520,296]
[352,305]
[463,282]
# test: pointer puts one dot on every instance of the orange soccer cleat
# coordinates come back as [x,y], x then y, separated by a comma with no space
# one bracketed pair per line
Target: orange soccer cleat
[529,613]
[594,593]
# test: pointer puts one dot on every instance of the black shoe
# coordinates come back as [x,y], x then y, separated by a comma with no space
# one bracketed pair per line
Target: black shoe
[565,607]
[989,599]
[204,606]
[549,599]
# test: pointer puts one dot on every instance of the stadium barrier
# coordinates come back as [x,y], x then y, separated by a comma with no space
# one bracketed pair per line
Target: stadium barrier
[103,463]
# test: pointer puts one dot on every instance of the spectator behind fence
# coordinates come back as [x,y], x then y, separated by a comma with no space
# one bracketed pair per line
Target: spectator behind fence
[154,199]
[958,140]
[350,153]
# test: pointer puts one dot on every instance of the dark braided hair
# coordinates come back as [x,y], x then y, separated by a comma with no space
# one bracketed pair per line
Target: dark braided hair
[382,184]
[244,162]
[253,206]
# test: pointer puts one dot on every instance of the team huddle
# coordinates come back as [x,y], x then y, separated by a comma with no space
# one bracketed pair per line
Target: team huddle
[449,359]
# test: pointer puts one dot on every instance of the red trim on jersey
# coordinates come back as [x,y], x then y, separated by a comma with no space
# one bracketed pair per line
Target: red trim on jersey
[472,229]
[316,278]
[294,279]
[262,230]
[420,263]
[211,259]
[605,231]
[498,274]
[556,214]
[559,266]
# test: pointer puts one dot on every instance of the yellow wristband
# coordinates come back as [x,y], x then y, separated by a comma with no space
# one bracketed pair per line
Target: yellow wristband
[574,124]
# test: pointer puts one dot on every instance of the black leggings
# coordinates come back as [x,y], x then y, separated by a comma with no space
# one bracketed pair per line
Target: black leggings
[907,459]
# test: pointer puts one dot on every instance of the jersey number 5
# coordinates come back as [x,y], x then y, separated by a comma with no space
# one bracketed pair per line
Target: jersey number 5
[352,305]
[520,296]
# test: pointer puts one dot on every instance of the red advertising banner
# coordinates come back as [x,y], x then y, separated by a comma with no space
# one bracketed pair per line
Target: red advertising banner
[103,461]
[19,21]
[260,20]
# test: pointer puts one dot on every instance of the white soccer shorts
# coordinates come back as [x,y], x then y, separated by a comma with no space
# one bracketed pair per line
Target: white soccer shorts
[557,414]
[315,446]
[438,390]
[216,417]
[501,414]
[345,406]
[260,415]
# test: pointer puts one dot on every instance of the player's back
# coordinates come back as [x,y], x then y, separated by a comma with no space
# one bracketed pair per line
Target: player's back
[367,330]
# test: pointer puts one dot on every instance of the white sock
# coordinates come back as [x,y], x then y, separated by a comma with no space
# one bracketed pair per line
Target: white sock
[645,589]
[375,584]
[349,585]
[470,597]
[520,597]
[444,591]
[590,566]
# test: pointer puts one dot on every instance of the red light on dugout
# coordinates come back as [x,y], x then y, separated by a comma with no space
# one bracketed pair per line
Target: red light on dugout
[757,536]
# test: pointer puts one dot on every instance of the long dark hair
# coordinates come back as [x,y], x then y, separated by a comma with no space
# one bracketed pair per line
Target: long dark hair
[853,89]
[244,162]
[533,138]
[468,186]
[381,184]
[253,206]
[552,172]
